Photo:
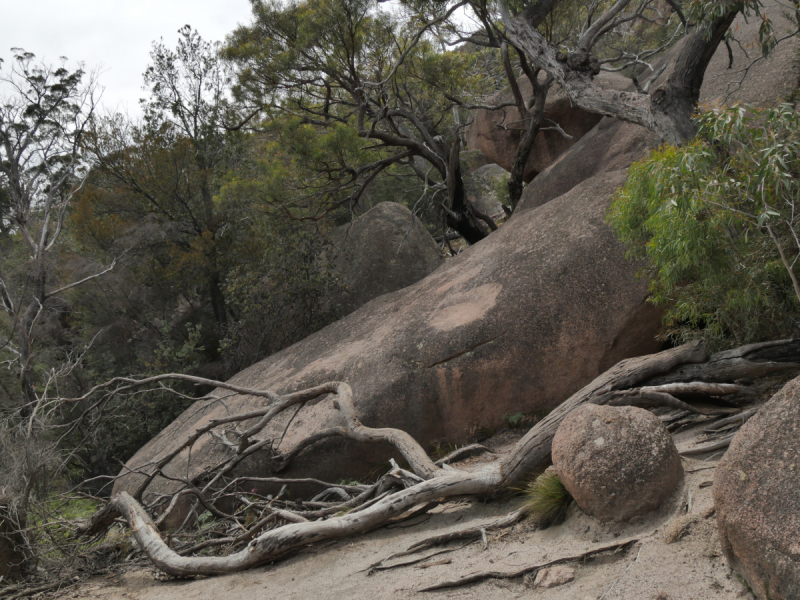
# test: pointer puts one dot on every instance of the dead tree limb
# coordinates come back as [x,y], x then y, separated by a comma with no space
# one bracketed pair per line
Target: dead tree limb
[718,445]
[746,362]
[462,453]
[469,535]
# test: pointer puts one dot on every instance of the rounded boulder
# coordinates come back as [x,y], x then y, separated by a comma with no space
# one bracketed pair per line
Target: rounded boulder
[757,497]
[382,251]
[616,462]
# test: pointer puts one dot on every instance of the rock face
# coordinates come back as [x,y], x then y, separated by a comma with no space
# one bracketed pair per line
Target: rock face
[517,322]
[485,187]
[384,250]
[757,497]
[614,144]
[497,133]
[768,81]
[616,462]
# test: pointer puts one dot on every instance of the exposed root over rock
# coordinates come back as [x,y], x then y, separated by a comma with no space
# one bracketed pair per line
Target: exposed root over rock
[264,529]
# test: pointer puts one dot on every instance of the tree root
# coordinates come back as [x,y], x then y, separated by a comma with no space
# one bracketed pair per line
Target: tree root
[718,445]
[382,567]
[478,577]
[462,453]
[740,418]
[469,535]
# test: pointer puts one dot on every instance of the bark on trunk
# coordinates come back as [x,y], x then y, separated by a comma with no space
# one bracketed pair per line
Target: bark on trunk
[667,111]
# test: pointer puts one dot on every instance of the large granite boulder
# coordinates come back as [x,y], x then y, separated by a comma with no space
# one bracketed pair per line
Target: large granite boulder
[610,146]
[517,322]
[614,144]
[616,462]
[384,250]
[496,133]
[757,497]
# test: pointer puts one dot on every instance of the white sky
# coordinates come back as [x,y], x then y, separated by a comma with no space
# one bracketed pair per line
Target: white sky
[114,35]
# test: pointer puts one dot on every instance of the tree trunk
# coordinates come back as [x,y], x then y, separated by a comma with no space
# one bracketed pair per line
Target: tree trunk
[460,214]
[523,151]
[26,336]
[667,112]
[214,280]
[217,297]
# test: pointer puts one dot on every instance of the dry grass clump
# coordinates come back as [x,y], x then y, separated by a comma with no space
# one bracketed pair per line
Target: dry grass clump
[546,499]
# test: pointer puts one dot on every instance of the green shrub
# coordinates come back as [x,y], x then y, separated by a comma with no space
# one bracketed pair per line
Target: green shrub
[716,222]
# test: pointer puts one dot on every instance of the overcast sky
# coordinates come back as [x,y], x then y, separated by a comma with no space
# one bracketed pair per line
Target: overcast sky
[111,34]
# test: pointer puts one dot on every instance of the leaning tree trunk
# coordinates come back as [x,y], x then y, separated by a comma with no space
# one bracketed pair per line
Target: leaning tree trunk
[667,111]
[646,381]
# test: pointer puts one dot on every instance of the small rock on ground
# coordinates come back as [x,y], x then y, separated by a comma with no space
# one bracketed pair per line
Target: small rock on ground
[554,576]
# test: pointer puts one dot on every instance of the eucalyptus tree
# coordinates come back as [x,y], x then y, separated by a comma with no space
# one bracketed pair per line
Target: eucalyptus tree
[404,81]
[45,112]
[380,82]
[168,167]
[666,110]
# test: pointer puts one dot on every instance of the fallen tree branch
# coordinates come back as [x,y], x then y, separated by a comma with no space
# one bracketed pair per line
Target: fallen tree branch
[382,567]
[470,534]
[462,453]
[746,362]
[694,388]
[276,543]
[742,418]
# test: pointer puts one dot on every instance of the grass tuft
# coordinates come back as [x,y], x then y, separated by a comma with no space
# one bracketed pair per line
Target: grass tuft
[547,500]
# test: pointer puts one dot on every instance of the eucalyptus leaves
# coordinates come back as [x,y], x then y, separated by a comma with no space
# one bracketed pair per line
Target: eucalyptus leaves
[717,220]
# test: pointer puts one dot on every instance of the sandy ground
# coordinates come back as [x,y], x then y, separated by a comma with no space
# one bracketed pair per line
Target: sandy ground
[690,567]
